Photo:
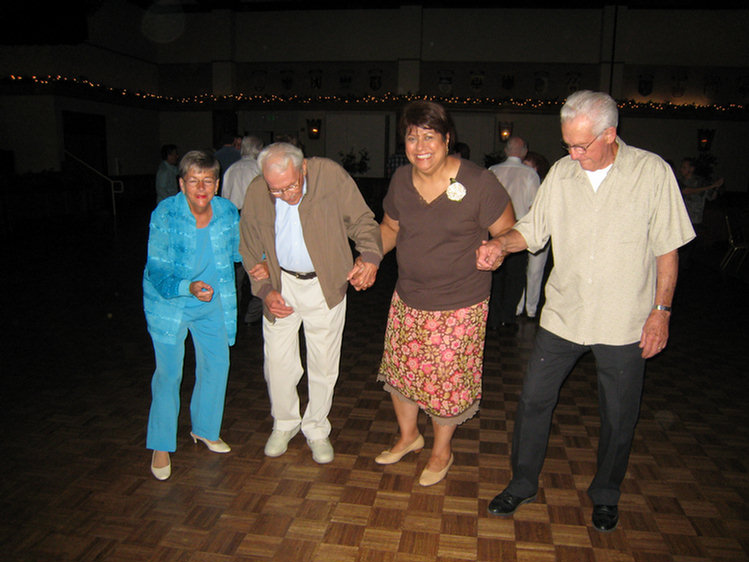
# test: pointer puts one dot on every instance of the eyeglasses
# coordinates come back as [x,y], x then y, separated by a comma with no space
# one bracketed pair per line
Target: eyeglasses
[579,148]
[285,190]
[207,182]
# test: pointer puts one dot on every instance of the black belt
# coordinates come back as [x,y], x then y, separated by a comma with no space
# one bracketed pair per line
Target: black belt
[304,276]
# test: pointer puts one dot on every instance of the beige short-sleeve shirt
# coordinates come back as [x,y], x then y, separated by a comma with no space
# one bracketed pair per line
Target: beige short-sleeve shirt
[605,244]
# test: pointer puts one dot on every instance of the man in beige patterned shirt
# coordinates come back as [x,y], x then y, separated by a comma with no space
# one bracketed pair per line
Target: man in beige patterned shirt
[616,220]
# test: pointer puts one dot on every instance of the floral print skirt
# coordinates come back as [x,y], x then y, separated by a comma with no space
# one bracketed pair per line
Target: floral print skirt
[434,358]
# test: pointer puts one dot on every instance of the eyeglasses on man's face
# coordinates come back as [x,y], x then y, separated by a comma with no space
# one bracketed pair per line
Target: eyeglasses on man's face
[288,189]
[580,148]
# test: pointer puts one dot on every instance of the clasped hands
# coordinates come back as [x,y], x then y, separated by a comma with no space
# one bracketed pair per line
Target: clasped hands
[362,276]
[490,255]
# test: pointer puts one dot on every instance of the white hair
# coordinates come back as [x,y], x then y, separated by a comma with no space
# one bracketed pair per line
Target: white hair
[251,146]
[279,155]
[599,107]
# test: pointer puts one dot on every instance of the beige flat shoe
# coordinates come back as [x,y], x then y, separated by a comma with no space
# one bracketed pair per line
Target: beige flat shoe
[388,457]
[429,478]
[162,472]
[213,446]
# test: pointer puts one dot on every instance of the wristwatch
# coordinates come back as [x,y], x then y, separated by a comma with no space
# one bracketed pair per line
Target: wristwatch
[662,307]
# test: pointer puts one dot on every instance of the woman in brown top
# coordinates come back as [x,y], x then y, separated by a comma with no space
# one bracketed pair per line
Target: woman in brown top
[438,211]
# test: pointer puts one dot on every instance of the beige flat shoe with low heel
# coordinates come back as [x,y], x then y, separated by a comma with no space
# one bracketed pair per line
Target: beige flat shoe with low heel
[429,478]
[388,457]
[162,472]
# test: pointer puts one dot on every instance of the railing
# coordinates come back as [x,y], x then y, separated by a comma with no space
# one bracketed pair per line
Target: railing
[115,186]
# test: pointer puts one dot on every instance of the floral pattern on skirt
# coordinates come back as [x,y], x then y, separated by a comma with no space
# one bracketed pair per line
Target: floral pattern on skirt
[435,358]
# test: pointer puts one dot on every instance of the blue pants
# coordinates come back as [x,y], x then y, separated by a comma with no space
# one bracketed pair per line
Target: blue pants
[620,369]
[206,325]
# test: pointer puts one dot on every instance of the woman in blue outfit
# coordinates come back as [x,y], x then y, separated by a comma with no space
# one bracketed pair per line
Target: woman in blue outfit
[188,284]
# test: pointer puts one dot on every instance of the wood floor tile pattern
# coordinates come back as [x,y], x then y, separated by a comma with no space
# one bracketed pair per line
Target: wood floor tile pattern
[76,484]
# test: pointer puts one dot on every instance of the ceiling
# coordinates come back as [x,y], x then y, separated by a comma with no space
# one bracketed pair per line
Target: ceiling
[64,23]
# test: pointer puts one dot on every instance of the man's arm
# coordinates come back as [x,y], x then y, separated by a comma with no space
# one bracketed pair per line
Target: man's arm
[505,240]
[655,331]
[361,226]
[252,250]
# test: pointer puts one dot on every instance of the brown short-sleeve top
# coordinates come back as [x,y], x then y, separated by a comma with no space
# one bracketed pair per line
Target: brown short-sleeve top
[437,241]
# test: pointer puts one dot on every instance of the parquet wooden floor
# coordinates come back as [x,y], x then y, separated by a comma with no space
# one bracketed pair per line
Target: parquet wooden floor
[77,363]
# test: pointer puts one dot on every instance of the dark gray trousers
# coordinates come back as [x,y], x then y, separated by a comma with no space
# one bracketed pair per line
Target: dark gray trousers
[620,370]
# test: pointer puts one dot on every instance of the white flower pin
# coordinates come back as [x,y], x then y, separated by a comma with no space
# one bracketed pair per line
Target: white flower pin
[456,190]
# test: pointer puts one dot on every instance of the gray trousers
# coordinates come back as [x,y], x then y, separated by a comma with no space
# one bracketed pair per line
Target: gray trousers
[620,371]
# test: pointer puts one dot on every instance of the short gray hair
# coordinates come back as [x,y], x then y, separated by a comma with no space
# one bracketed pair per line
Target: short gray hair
[599,107]
[201,160]
[251,146]
[279,155]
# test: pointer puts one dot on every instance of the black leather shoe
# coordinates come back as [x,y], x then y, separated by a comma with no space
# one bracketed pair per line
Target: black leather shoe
[506,504]
[605,517]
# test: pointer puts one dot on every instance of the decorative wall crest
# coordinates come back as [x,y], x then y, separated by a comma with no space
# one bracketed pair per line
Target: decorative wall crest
[375,79]
[477,80]
[259,80]
[645,84]
[445,82]
[315,79]
[540,82]
[678,83]
[345,79]
[573,81]
[508,81]
[287,79]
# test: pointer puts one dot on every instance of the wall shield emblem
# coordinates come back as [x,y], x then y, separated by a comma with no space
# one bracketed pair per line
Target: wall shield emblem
[259,80]
[645,84]
[345,79]
[508,81]
[445,82]
[477,80]
[540,82]
[287,79]
[375,79]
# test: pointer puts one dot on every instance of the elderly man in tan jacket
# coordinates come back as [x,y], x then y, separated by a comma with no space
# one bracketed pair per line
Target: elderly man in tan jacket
[295,227]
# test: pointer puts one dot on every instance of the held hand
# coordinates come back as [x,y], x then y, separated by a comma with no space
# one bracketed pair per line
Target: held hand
[363,275]
[259,271]
[654,333]
[201,291]
[490,255]
[277,305]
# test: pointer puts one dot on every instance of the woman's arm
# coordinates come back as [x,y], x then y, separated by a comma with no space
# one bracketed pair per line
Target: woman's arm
[389,231]
[160,266]
[504,223]
[489,255]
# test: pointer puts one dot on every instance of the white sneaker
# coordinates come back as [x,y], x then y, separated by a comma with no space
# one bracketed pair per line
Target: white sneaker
[278,441]
[322,450]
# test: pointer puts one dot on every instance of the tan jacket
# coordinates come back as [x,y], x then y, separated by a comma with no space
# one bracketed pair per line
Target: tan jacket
[331,211]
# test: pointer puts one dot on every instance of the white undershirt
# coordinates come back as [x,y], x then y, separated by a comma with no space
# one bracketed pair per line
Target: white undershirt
[596,177]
